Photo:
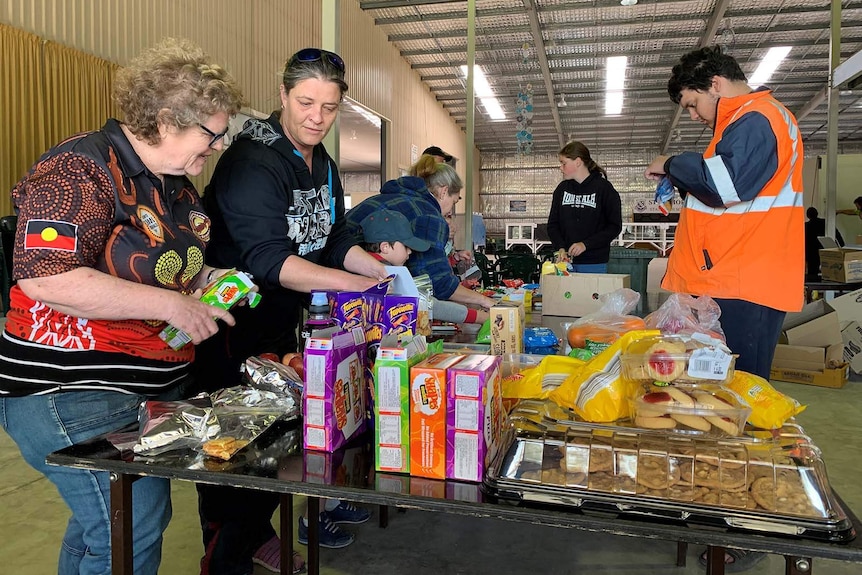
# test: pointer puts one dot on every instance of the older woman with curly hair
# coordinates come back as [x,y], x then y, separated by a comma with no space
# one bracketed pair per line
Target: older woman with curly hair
[108,250]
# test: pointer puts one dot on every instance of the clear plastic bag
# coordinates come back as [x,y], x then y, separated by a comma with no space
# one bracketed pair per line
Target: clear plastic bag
[684,314]
[169,425]
[596,331]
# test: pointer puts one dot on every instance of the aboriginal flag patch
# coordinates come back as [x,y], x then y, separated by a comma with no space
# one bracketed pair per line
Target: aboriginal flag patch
[51,235]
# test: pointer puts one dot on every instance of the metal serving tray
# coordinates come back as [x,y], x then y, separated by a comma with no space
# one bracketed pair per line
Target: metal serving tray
[769,482]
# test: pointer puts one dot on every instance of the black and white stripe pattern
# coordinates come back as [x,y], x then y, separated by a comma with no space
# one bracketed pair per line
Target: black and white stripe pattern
[28,368]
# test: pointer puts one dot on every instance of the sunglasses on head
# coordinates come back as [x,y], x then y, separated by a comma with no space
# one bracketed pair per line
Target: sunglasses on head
[315,54]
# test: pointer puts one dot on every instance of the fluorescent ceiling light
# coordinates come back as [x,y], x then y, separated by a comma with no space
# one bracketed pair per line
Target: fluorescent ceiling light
[615,82]
[768,66]
[483,91]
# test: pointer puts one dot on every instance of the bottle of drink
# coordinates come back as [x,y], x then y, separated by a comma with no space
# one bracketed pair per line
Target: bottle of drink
[318,315]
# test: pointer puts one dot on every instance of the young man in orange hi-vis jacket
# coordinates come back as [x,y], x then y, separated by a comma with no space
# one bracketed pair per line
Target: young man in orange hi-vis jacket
[740,237]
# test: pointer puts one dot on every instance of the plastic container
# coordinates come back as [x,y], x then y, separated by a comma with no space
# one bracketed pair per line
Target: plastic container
[677,359]
[635,263]
[706,409]
[319,315]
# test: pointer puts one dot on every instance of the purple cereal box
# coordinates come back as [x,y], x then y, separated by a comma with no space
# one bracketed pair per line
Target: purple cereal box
[333,402]
[474,416]
[347,309]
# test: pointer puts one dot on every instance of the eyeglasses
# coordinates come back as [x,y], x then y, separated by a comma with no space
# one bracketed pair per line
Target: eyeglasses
[215,137]
[315,54]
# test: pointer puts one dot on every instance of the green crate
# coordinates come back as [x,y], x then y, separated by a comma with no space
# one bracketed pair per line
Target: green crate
[635,263]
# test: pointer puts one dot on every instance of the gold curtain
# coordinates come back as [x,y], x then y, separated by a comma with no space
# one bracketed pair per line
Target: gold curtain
[47,93]
[22,129]
[77,91]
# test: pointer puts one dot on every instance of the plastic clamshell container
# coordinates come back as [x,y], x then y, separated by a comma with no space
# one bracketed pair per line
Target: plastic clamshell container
[776,486]
[690,408]
[677,359]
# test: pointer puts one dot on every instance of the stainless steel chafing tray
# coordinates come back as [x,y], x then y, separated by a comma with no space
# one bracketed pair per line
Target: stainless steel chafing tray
[769,482]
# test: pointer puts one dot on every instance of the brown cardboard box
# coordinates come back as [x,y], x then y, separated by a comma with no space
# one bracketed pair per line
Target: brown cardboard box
[577,295]
[810,358]
[835,378]
[848,306]
[852,336]
[841,264]
[816,325]
[507,328]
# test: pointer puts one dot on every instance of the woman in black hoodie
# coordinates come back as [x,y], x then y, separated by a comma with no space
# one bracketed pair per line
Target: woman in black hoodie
[586,214]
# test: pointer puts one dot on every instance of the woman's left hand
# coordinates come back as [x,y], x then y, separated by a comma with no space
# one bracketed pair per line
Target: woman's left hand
[577,249]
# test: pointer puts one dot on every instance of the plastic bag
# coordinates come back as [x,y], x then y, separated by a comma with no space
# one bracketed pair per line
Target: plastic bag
[484,333]
[537,382]
[596,392]
[770,408]
[540,341]
[664,195]
[687,315]
[169,425]
[596,331]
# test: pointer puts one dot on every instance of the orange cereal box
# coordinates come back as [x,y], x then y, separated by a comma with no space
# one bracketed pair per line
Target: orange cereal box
[428,415]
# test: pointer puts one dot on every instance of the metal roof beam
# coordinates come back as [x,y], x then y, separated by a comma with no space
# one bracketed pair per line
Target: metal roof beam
[380,4]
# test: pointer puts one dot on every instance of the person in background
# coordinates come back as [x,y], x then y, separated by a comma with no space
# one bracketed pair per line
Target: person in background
[431,190]
[815,228]
[108,251]
[277,207]
[586,212]
[740,238]
[438,154]
[856,211]
[388,237]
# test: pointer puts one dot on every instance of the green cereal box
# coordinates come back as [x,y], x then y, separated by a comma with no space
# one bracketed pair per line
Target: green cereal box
[224,292]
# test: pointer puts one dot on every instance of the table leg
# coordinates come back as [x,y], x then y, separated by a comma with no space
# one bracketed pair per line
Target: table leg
[383,516]
[313,559]
[714,560]
[798,565]
[122,562]
[286,520]
[681,551]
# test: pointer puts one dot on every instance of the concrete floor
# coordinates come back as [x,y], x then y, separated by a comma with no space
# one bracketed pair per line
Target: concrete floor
[426,543]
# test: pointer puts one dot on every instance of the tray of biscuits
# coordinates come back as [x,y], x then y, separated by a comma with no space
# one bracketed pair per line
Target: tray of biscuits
[690,408]
[773,483]
[667,359]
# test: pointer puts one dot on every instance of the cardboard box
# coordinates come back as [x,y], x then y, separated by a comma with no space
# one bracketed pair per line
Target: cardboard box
[392,400]
[347,467]
[474,416]
[835,378]
[848,306]
[428,415]
[347,309]
[809,358]
[333,403]
[507,328]
[852,336]
[577,295]
[841,264]
[388,314]
[816,325]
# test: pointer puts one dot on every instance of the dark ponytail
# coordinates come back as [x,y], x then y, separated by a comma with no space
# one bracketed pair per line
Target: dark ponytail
[574,150]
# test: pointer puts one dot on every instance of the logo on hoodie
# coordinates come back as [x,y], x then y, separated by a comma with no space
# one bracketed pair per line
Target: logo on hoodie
[578,200]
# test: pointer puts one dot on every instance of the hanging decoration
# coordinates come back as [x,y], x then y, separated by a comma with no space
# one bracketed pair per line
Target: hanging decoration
[524,120]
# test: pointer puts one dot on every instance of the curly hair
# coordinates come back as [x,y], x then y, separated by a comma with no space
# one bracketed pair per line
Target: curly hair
[574,150]
[173,83]
[697,68]
[436,175]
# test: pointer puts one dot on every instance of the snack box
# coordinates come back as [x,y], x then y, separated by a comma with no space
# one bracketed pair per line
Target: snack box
[696,409]
[507,327]
[474,416]
[385,314]
[333,403]
[347,309]
[428,415]
[392,400]
[677,359]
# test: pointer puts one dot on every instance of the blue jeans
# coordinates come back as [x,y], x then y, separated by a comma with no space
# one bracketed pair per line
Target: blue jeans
[42,424]
[752,331]
[590,268]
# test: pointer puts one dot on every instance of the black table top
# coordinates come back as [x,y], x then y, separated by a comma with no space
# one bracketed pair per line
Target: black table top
[276,463]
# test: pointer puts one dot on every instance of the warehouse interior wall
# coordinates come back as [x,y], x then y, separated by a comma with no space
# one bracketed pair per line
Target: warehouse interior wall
[252,39]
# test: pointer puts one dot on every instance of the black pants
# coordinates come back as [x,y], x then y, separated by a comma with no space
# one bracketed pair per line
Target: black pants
[752,331]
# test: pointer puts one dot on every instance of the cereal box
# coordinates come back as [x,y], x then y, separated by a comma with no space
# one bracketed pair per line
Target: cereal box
[474,416]
[391,400]
[333,404]
[428,415]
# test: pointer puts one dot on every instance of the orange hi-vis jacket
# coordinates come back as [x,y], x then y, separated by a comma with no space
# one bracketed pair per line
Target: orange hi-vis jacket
[741,230]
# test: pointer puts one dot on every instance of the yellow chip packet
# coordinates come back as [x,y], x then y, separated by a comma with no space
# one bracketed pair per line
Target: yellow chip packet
[770,408]
[537,382]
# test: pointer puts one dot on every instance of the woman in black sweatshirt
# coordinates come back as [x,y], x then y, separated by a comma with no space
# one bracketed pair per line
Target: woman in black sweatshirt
[586,214]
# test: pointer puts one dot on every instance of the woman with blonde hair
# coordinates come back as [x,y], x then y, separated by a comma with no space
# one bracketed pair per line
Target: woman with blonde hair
[431,190]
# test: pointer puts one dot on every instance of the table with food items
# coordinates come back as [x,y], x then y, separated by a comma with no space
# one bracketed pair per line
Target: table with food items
[608,422]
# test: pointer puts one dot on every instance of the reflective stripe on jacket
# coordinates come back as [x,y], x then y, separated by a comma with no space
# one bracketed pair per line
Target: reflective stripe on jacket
[751,247]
